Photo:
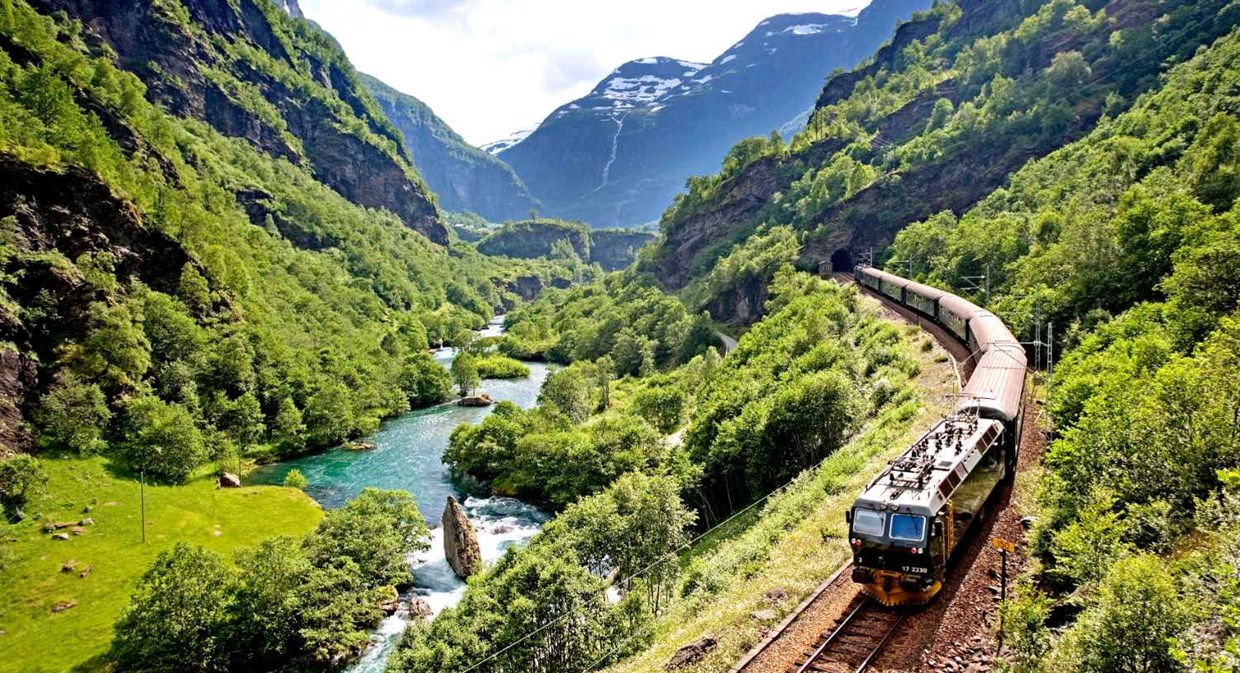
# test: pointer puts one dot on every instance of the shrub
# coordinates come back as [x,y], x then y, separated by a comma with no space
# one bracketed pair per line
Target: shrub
[177,619]
[21,478]
[295,479]
[160,439]
[72,415]
[500,367]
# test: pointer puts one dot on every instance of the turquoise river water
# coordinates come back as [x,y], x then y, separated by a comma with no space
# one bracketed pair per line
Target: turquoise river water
[408,455]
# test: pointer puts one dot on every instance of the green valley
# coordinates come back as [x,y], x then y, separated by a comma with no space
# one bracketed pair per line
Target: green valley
[295,378]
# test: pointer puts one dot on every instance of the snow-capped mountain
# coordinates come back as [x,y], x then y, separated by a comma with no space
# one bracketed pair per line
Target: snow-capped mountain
[618,155]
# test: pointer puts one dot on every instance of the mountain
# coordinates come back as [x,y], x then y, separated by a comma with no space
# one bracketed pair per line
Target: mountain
[251,71]
[935,122]
[465,178]
[206,220]
[617,156]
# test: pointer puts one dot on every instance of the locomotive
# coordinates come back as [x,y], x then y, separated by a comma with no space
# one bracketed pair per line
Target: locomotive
[907,522]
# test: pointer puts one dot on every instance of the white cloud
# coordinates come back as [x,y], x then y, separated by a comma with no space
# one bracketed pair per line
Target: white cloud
[490,67]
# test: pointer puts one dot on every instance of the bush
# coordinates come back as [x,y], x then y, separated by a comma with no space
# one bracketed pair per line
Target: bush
[178,616]
[160,440]
[72,415]
[500,367]
[1129,624]
[377,530]
[424,381]
[295,479]
[21,478]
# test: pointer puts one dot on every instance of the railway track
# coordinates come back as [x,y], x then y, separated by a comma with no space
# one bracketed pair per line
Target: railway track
[855,640]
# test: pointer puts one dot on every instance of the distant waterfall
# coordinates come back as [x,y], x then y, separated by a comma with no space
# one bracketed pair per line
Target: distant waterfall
[615,140]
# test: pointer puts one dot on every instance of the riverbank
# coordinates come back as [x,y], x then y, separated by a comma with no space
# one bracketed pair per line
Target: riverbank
[407,454]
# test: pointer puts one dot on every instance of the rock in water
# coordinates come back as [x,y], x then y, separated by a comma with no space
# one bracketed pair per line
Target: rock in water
[460,542]
[479,400]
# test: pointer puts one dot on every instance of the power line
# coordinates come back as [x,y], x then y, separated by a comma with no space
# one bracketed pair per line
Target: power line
[662,559]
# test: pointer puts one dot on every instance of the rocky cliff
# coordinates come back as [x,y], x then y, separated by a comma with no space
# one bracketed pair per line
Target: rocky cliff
[253,71]
[460,543]
[617,156]
[465,178]
[615,249]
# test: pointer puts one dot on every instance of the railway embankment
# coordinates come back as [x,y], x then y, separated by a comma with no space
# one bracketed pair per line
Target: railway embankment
[833,630]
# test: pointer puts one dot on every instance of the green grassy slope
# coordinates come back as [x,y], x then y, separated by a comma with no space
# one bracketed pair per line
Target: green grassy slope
[35,637]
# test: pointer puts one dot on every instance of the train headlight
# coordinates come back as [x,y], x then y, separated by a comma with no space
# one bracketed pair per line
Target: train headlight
[917,550]
[856,543]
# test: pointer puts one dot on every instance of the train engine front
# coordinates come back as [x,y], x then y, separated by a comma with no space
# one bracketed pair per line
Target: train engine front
[905,525]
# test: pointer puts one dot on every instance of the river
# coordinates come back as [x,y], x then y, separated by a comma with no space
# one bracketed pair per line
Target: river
[407,455]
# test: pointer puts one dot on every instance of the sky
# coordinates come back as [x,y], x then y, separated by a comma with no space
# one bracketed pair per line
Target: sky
[492,67]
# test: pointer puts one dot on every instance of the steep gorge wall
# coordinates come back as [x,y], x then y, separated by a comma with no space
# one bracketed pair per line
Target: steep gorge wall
[312,110]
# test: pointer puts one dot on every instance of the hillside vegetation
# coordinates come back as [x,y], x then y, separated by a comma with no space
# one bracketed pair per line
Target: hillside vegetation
[188,317]
[188,278]
[611,249]
[822,373]
[963,95]
[1129,241]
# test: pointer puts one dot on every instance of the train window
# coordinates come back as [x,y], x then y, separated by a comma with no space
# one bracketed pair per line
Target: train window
[910,527]
[869,522]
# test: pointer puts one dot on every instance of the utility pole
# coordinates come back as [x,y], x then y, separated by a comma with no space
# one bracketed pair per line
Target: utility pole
[1050,350]
[988,283]
[142,495]
[1037,336]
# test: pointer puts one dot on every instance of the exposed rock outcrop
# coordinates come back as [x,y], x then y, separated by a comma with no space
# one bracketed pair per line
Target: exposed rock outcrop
[692,653]
[229,480]
[460,542]
[75,214]
[186,70]
[615,249]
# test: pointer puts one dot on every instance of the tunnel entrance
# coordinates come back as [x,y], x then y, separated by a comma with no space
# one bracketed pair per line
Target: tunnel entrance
[842,260]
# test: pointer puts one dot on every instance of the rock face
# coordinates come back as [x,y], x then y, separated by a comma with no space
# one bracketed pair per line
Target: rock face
[325,118]
[465,178]
[460,542]
[617,156]
[615,249]
[72,212]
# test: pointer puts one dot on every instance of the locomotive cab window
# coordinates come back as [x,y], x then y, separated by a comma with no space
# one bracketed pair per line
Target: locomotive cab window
[869,522]
[908,527]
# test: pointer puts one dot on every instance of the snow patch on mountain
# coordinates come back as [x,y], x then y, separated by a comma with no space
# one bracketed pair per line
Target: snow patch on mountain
[497,146]
[645,89]
[807,29]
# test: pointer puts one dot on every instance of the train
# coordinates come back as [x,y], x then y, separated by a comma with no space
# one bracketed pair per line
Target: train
[908,521]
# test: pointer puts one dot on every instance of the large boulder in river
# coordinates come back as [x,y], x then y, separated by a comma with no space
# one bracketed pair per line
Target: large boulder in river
[479,400]
[460,542]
